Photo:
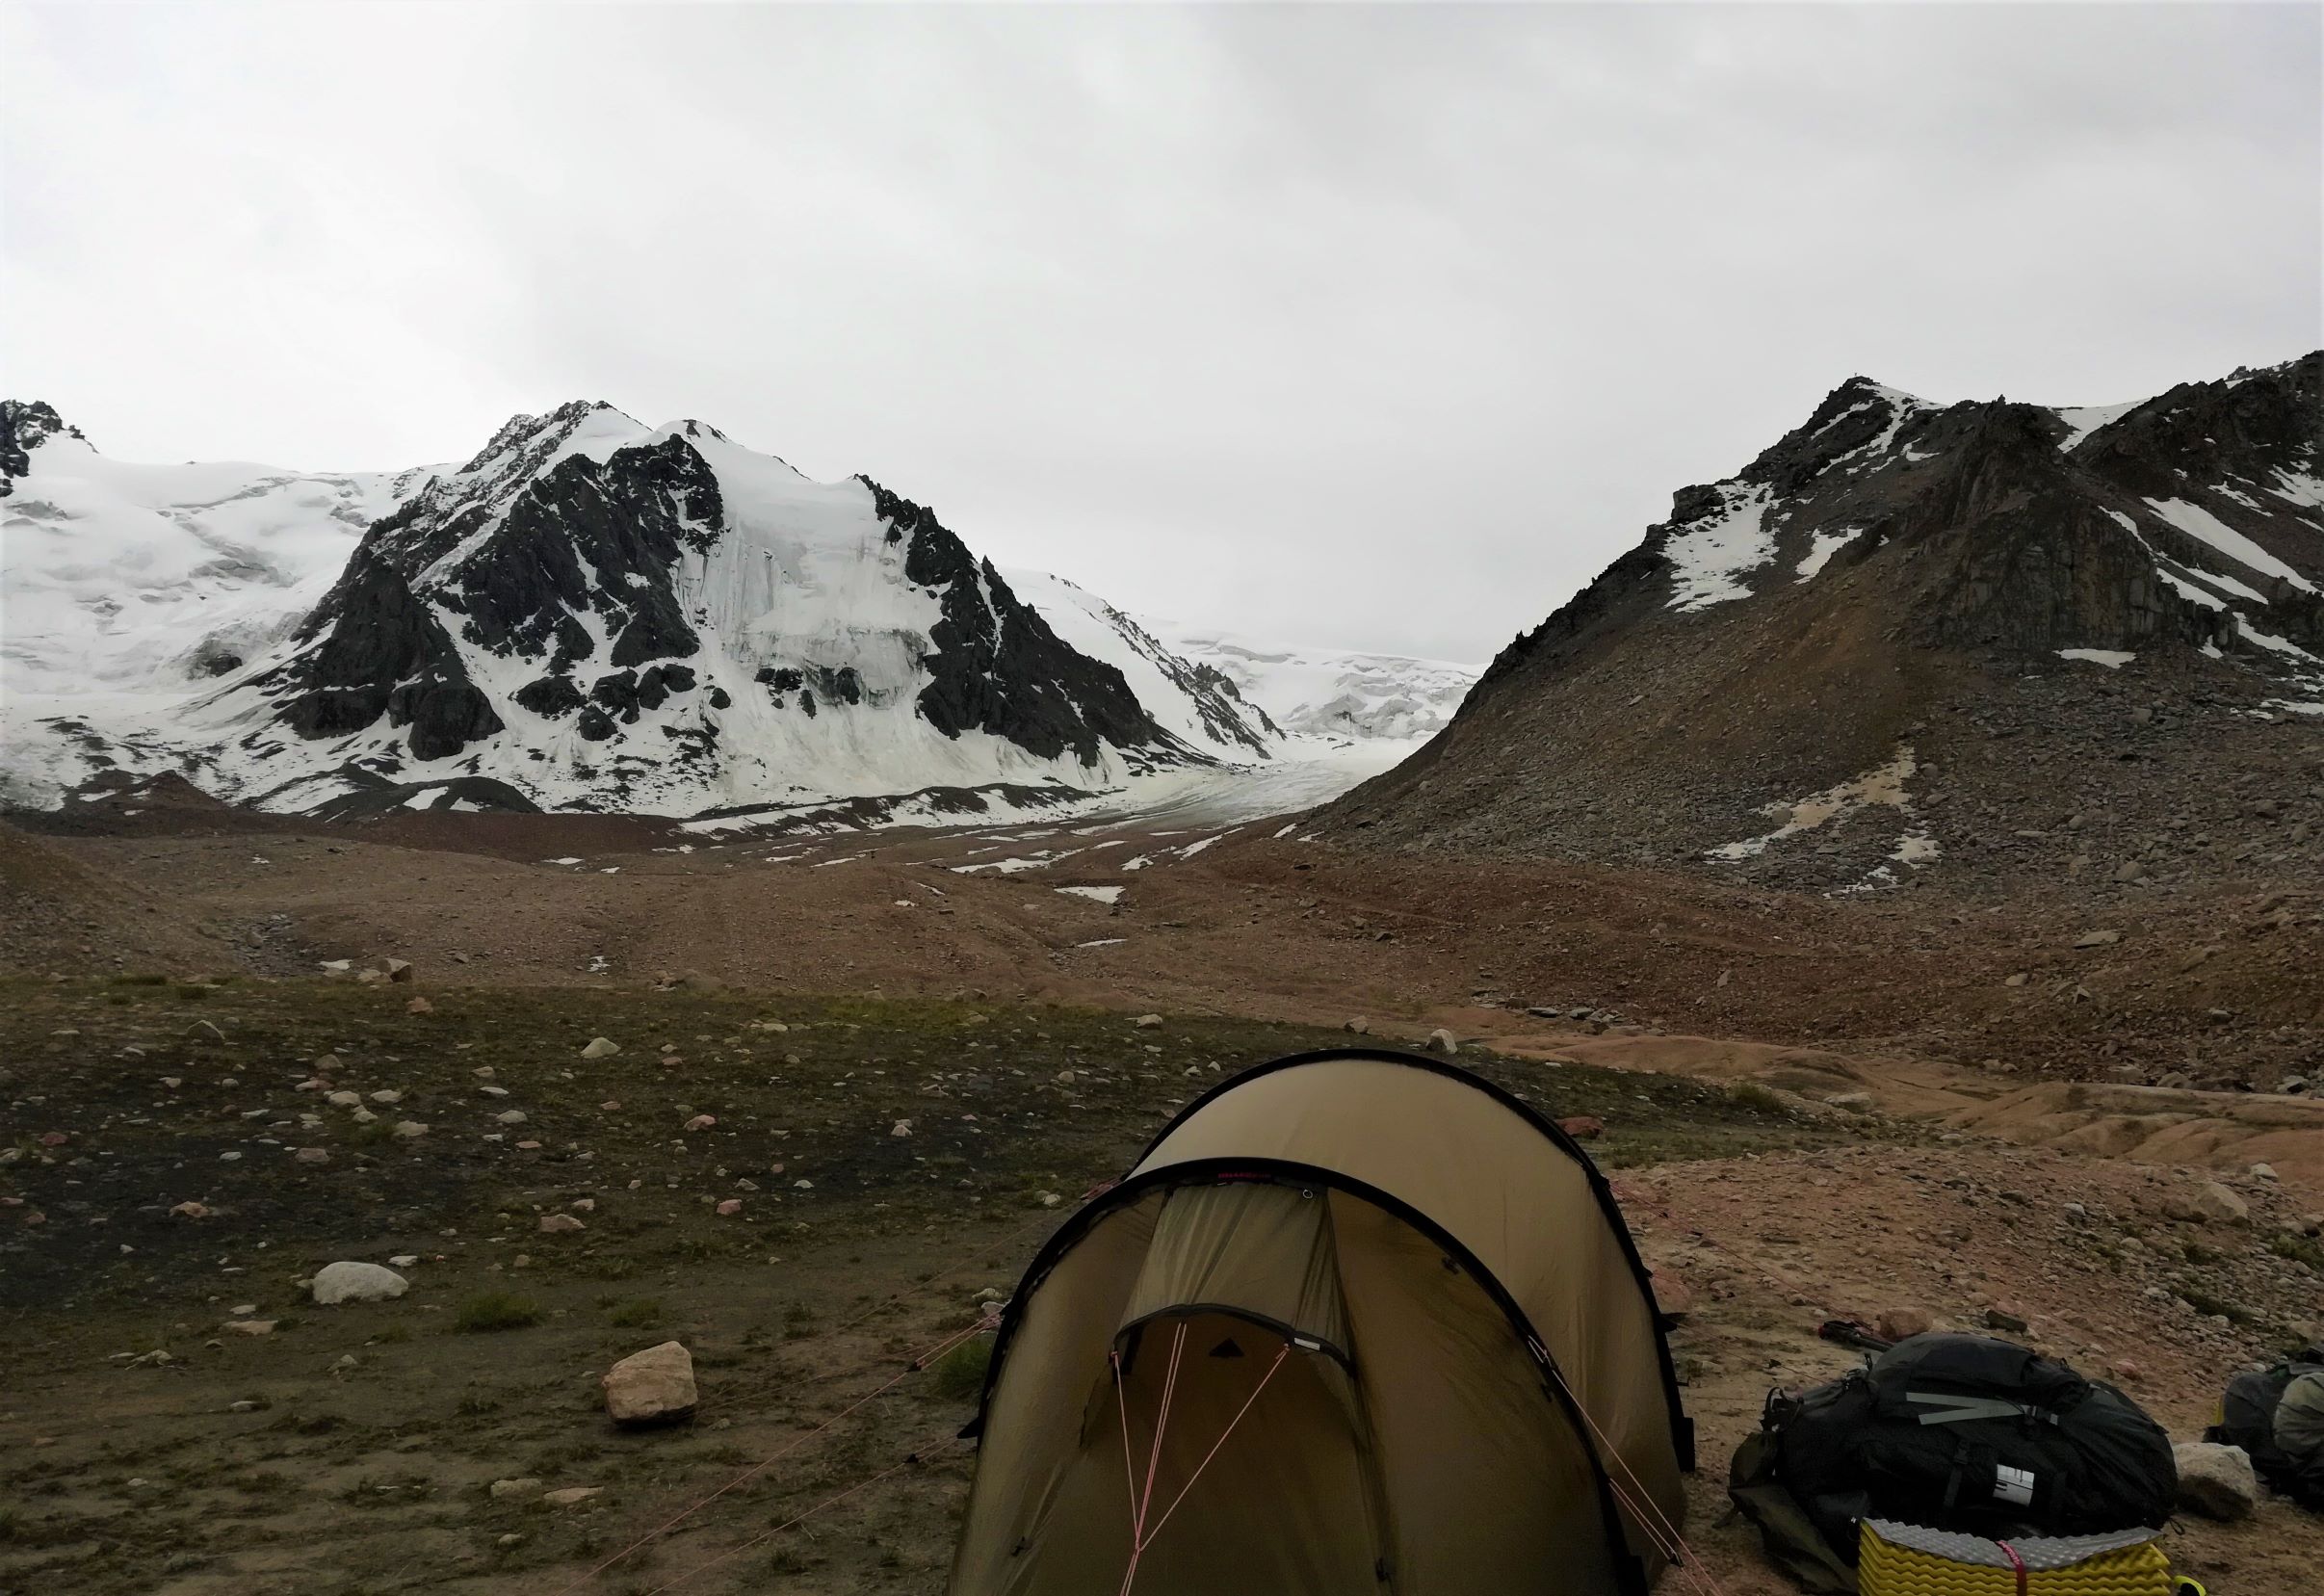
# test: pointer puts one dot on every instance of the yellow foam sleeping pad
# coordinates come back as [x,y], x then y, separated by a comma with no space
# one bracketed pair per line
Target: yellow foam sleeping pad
[1904,1559]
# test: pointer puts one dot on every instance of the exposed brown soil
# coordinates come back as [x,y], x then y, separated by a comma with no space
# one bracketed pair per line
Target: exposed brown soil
[372,1476]
[2212,986]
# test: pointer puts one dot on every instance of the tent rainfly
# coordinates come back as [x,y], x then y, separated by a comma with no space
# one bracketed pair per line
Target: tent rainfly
[1357,1322]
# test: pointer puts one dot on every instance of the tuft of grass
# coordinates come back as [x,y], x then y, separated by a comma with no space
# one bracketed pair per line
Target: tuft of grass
[2298,1248]
[2203,1303]
[141,980]
[636,1314]
[496,1311]
[1750,1094]
[958,1376]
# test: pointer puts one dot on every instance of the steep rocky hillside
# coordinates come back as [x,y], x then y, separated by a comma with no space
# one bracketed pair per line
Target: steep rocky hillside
[2011,645]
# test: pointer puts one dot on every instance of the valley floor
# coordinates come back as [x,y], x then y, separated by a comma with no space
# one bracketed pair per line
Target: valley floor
[169,1002]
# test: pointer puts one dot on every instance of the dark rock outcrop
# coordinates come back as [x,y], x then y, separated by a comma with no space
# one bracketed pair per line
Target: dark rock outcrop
[24,425]
[997,665]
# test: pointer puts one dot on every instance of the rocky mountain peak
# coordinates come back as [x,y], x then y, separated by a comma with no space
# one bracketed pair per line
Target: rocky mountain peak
[24,425]
[1809,629]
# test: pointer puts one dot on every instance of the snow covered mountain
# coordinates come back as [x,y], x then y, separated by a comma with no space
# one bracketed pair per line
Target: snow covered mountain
[127,579]
[591,613]
[1199,704]
[2011,637]
[1329,693]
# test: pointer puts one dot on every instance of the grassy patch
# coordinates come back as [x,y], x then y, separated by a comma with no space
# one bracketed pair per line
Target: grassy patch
[1750,1094]
[2203,1303]
[958,1377]
[638,1313]
[496,1311]
[2299,1248]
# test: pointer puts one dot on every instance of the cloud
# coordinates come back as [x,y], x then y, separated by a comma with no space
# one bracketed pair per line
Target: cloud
[1370,325]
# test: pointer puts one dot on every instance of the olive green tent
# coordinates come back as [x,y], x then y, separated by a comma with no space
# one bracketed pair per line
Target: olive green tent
[1357,1322]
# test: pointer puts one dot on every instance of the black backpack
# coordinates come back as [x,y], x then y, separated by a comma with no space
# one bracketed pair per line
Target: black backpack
[1951,1432]
[2250,1417]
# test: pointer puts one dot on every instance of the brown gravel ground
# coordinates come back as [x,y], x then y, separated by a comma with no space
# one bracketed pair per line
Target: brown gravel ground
[1906,999]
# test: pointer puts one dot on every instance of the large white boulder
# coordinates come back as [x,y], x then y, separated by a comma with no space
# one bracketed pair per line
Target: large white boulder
[652,1387]
[351,1282]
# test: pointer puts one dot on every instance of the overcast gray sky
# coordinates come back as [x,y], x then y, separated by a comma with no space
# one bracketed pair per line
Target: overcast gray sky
[1384,327]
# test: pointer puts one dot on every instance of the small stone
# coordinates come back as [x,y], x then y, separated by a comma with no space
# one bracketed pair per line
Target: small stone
[249,1326]
[345,1099]
[1050,1199]
[571,1496]
[405,1259]
[313,1155]
[419,1005]
[399,970]
[2008,1323]
[515,1490]
[1359,1026]
[2216,1481]
[1147,1022]
[1902,1324]
[512,1117]
[2207,1203]
[560,1224]
[2097,940]
[387,1099]
[411,1129]
[652,1387]
[191,1210]
[1441,1040]
[901,1127]
[1582,1127]
[600,1048]
[701,1122]
[730,1205]
[1065,1077]
[2263,1171]
[1672,1295]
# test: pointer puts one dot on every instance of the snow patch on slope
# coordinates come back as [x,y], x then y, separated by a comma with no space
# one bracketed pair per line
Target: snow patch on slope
[2201,525]
[1882,786]
[2083,420]
[1709,559]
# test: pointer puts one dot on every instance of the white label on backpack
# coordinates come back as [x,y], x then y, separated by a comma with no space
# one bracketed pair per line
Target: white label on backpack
[2013,1486]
